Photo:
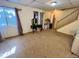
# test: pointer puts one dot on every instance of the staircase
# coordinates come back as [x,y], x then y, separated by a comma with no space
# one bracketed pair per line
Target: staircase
[67,19]
[68,23]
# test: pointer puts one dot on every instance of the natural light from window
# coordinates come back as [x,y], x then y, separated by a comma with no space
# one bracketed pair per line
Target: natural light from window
[8,53]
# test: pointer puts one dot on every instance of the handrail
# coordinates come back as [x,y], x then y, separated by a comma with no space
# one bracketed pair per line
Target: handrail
[68,15]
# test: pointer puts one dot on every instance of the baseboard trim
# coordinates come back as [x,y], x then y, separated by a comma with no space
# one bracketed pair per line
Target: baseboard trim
[17,35]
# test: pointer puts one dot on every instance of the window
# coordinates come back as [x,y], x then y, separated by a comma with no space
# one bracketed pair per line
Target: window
[2,17]
[7,17]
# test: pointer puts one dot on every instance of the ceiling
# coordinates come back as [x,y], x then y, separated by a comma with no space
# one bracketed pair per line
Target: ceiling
[44,4]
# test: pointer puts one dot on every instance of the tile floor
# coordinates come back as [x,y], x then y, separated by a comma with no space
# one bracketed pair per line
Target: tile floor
[45,44]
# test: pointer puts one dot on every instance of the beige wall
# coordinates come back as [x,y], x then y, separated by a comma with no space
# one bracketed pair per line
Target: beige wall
[26,14]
